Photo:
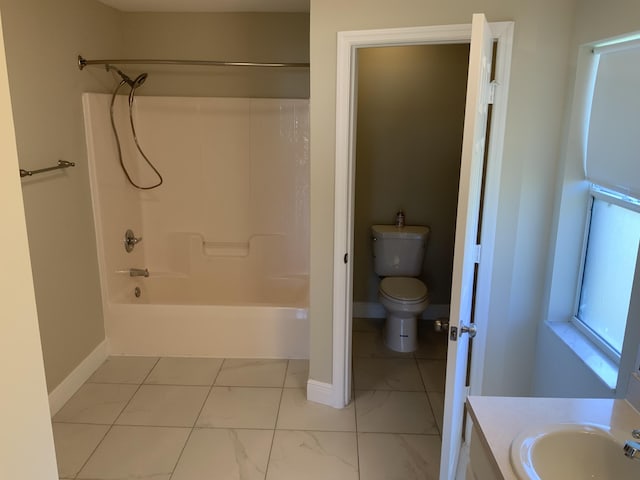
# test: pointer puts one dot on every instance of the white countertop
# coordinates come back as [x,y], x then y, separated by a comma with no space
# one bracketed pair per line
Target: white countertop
[498,420]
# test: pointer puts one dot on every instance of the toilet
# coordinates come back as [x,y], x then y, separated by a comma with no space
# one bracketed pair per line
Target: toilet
[398,253]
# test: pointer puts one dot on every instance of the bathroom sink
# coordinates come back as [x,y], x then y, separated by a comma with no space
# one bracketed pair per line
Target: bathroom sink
[569,450]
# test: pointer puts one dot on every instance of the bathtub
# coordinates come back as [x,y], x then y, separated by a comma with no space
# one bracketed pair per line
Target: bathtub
[180,316]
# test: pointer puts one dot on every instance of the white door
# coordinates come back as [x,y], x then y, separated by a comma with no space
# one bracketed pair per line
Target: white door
[466,251]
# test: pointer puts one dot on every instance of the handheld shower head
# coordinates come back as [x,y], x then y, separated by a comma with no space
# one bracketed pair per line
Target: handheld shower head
[140,79]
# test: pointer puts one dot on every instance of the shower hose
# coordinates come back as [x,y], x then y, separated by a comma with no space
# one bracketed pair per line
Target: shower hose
[134,85]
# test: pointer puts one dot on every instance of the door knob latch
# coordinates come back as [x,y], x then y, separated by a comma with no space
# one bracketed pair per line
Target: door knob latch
[470,329]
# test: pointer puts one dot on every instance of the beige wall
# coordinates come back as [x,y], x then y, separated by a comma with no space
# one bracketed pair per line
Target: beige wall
[42,41]
[257,37]
[26,442]
[536,98]
[408,144]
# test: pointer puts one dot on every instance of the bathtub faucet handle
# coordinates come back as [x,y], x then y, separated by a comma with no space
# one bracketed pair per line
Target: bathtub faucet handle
[130,240]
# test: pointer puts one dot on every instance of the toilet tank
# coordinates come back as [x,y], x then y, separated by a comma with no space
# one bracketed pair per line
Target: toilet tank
[398,251]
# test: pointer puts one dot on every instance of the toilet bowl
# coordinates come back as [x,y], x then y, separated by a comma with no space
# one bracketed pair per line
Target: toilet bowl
[404,299]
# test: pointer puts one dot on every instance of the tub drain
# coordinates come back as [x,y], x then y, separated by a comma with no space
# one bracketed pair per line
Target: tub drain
[137,292]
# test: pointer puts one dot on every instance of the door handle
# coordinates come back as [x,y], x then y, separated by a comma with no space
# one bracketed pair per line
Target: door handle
[470,329]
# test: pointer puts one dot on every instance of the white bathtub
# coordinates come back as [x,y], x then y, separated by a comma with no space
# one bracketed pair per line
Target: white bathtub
[181,317]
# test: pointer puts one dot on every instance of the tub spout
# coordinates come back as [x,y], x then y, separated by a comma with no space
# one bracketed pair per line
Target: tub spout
[138,272]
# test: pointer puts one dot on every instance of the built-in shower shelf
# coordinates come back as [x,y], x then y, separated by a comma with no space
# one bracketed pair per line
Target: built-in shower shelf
[225,249]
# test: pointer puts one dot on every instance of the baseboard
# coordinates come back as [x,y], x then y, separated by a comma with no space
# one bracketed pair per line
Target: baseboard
[376,310]
[323,393]
[70,385]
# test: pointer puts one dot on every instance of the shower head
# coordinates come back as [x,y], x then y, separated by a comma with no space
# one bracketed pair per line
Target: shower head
[140,79]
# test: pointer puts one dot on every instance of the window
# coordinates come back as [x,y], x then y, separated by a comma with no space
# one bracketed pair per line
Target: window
[612,166]
[593,303]
[608,270]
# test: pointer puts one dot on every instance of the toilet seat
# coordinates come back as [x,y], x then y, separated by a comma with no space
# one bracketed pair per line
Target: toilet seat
[403,289]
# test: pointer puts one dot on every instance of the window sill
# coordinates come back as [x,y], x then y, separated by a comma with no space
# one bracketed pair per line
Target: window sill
[600,364]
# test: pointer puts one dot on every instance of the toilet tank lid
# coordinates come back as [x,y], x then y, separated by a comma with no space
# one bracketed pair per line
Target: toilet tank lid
[408,231]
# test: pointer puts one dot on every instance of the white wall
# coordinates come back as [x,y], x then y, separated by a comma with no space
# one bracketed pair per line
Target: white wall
[538,80]
[26,441]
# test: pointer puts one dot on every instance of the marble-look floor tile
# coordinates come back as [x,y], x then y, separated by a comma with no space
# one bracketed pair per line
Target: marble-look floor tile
[225,454]
[297,374]
[371,344]
[431,344]
[252,373]
[297,413]
[394,412]
[123,370]
[96,403]
[184,371]
[309,455]
[436,399]
[241,407]
[408,457]
[148,453]
[164,405]
[433,374]
[386,374]
[74,442]
[367,324]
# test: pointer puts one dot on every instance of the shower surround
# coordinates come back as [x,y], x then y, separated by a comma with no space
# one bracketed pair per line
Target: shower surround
[225,238]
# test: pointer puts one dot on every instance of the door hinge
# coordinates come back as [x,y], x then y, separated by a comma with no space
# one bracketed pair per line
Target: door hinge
[477,251]
[346,257]
[492,92]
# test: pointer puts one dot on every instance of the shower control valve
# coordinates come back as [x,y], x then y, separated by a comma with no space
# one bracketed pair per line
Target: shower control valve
[130,240]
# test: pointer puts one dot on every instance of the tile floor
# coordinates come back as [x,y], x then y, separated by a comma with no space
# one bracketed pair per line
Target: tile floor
[203,418]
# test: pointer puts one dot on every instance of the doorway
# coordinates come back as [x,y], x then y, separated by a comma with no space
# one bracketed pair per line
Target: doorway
[410,116]
[348,45]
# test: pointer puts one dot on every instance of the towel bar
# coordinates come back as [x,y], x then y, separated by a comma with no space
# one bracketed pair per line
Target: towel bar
[61,164]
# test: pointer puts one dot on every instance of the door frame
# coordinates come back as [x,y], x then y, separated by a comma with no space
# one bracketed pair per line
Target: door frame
[346,92]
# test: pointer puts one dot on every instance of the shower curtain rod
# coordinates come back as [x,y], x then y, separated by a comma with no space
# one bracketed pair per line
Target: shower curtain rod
[82,62]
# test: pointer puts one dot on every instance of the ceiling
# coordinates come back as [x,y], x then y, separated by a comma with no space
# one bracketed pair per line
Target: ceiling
[209,5]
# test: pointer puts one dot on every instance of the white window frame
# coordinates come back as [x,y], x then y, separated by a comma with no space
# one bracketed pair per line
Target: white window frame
[568,239]
[623,201]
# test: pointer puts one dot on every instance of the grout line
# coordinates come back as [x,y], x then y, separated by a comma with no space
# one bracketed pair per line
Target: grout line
[275,425]
[401,433]
[355,414]
[116,418]
[195,421]
[93,451]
